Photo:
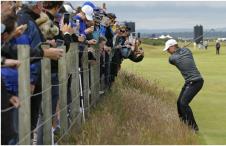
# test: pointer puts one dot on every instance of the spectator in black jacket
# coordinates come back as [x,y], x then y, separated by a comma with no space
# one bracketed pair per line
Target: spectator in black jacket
[66,34]
[51,9]
[27,15]
[116,51]
[109,34]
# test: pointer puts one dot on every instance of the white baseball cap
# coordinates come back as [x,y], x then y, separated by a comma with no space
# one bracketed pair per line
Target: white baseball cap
[169,43]
[69,8]
[88,10]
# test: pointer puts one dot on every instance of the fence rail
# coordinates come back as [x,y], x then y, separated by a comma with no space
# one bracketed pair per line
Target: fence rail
[85,84]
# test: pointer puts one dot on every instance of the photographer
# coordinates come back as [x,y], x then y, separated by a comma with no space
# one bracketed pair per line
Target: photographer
[117,51]
[137,54]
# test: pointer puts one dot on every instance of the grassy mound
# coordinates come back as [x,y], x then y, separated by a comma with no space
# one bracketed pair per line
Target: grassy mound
[135,111]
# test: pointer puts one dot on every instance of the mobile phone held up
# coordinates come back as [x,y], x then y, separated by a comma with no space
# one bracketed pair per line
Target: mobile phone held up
[59,43]
[66,18]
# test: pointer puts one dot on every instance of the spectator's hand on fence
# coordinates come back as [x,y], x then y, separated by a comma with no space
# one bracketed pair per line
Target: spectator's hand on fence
[92,42]
[53,53]
[52,43]
[67,29]
[14,100]
[20,30]
[12,63]
[81,38]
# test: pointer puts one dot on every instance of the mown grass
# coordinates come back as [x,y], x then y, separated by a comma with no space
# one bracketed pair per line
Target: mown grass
[135,111]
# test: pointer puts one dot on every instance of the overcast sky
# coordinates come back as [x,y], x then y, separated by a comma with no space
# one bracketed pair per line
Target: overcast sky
[169,14]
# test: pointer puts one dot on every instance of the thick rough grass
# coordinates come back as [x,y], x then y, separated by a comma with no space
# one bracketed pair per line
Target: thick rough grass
[135,111]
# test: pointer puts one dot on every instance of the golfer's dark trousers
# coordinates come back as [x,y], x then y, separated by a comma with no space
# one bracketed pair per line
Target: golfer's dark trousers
[188,92]
[217,51]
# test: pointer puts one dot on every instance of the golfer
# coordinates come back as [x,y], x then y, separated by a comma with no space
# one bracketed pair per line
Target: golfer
[183,59]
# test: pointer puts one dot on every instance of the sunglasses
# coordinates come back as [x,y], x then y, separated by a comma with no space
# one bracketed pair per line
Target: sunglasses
[122,31]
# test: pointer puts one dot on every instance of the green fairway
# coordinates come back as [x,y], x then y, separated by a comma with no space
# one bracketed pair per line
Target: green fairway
[209,106]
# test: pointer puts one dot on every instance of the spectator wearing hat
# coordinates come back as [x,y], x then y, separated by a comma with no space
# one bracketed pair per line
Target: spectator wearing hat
[69,8]
[86,14]
[88,3]
[183,59]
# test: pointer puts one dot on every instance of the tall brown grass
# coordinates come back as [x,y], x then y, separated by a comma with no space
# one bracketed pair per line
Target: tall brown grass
[135,111]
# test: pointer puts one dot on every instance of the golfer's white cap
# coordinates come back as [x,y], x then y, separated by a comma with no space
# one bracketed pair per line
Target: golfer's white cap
[88,10]
[169,43]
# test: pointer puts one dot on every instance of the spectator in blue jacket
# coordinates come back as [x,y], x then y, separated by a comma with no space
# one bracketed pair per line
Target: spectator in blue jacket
[86,14]
[27,15]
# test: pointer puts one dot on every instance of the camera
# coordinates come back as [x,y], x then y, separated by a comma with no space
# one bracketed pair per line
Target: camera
[125,52]
[59,43]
